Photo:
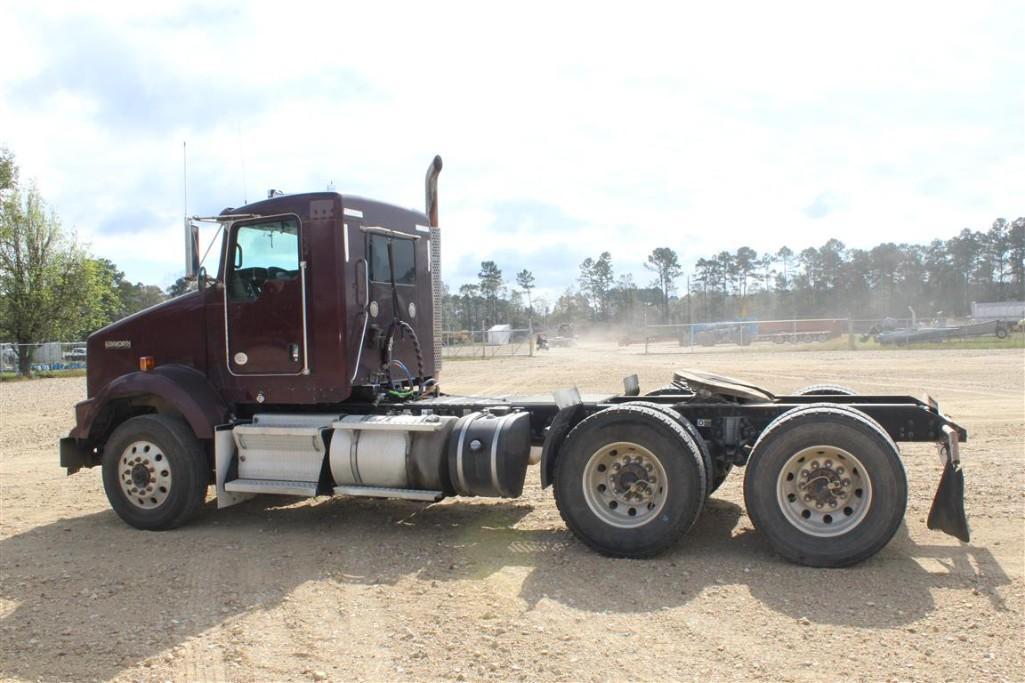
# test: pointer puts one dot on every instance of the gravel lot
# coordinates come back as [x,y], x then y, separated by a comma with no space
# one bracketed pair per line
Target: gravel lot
[339,589]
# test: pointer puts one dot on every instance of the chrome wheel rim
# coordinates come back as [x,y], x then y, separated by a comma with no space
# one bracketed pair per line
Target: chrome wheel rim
[144,474]
[625,485]
[824,491]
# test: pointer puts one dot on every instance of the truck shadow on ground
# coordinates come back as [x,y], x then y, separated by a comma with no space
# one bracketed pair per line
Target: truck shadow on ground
[137,594]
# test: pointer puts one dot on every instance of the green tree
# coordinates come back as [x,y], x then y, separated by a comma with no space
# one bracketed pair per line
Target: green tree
[602,279]
[137,297]
[47,286]
[8,170]
[525,279]
[180,286]
[490,281]
[784,254]
[1016,254]
[664,262]
[470,306]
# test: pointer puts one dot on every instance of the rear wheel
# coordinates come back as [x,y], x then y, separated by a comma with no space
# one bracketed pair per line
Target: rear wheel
[715,474]
[154,472]
[825,390]
[669,390]
[826,485]
[630,481]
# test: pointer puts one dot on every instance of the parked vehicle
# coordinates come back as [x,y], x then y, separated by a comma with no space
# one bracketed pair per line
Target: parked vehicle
[309,364]
[901,337]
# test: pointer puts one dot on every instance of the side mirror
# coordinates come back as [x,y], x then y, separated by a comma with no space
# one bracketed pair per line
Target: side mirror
[191,251]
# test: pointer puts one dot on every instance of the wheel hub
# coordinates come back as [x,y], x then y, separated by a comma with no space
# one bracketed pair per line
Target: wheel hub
[625,484]
[824,485]
[141,476]
[824,491]
[632,481]
[144,474]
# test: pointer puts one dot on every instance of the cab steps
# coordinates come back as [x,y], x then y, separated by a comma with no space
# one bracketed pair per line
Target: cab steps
[281,487]
[385,492]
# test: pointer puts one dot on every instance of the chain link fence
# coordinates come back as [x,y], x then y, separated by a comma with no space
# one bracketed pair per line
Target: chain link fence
[44,357]
[506,341]
[499,341]
[809,333]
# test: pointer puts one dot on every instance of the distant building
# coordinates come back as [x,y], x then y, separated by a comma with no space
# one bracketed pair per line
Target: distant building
[499,334]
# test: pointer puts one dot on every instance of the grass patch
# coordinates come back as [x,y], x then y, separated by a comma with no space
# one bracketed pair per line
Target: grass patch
[1013,341]
[43,374]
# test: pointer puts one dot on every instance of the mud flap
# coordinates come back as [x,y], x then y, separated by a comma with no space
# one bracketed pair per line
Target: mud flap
[947,513]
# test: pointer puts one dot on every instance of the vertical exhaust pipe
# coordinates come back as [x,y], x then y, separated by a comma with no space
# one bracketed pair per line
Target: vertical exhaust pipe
[431,188]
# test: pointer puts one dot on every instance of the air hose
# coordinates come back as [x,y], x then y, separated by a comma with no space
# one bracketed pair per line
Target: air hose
[397,324]
[402,326]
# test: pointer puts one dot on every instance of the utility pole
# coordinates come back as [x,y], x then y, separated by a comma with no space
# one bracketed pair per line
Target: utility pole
[690,318]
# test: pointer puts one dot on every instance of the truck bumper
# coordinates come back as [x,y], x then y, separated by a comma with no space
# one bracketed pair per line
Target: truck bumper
[74,455]
[947,513]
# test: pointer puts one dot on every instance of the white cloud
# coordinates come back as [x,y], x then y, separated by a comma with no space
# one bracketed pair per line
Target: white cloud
[700,128]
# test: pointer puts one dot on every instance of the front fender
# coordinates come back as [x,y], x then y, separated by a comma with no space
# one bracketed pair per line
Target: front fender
[177,387]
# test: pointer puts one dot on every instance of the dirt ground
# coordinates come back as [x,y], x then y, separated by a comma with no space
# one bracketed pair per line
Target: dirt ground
[342,589]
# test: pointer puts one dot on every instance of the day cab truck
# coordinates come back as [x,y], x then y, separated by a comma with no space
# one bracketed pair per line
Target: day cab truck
[307,364]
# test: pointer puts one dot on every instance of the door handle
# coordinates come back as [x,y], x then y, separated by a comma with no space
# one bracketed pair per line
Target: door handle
[293,352]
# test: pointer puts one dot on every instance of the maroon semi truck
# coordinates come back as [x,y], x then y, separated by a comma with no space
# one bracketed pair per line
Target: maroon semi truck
[308,365]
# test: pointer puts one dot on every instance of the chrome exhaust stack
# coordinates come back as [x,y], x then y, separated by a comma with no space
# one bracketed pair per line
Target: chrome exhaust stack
[434,247]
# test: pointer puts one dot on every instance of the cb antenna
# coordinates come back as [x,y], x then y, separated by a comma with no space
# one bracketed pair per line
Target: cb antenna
[185,181]
[242,159]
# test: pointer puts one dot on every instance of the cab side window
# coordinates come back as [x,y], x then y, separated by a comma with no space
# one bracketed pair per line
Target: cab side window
[404,254]
[262,254]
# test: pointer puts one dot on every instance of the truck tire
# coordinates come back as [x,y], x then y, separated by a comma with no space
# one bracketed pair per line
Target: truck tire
[825,390]
[826,486]
[668,390]
[155,472]
[630,481]
[1001,332]
[716,473]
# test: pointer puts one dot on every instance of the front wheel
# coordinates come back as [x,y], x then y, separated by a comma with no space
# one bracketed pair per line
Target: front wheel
[826,485]
[154,472]
[629,481]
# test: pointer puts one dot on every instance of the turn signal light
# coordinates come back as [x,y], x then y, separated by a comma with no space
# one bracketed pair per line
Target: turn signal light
[147,363]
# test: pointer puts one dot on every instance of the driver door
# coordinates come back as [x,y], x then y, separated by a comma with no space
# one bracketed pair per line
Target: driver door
[263,298]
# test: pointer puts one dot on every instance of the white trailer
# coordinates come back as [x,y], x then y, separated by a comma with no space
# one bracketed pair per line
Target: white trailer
[998,310]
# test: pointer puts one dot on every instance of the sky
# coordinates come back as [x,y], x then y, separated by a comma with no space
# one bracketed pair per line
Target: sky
[567,129]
